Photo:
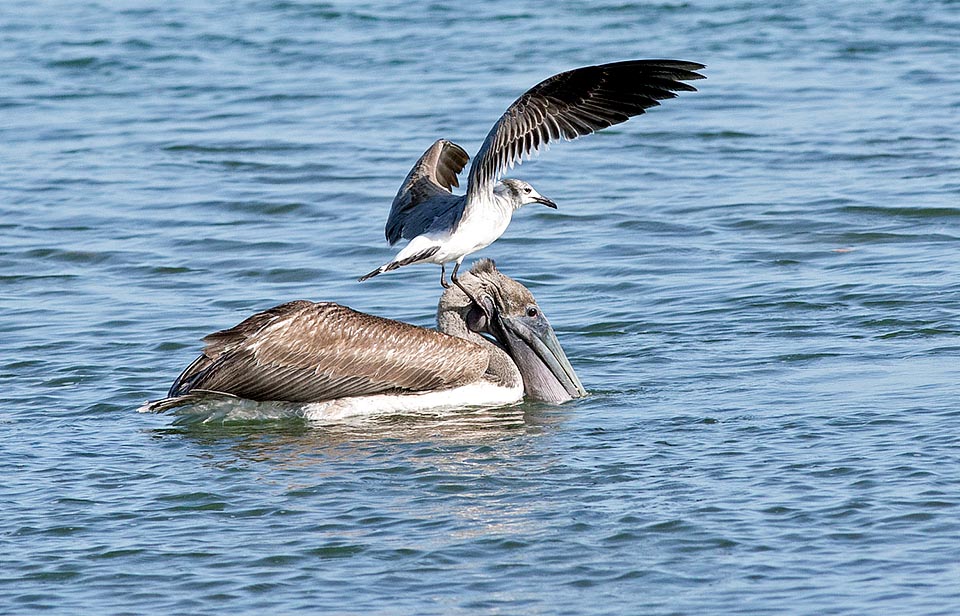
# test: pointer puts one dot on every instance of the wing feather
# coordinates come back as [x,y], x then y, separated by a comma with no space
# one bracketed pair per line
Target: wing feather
[309,352]
[428,186]
[572,104]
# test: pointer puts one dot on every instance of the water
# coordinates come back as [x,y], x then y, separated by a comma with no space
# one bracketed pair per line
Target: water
[758,283]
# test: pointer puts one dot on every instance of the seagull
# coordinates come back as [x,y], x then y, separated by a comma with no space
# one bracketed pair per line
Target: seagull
[443,227]
[347,362]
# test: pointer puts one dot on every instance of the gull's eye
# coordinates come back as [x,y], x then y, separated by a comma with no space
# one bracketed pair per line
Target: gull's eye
[527,190]
[532,312]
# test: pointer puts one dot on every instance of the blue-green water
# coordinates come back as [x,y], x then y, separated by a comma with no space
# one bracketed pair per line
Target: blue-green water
[758,282]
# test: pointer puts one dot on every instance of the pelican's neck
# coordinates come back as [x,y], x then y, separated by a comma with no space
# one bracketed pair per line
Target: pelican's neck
[501,368]
[451,321]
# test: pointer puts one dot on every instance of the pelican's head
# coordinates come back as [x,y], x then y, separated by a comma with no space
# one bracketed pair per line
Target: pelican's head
[513,319]
[521,193]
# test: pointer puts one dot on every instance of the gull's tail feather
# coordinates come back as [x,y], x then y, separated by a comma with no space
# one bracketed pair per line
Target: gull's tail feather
[387,267]
[379,270]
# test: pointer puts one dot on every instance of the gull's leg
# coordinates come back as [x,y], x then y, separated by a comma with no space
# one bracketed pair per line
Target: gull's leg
[443,274]
[456,281]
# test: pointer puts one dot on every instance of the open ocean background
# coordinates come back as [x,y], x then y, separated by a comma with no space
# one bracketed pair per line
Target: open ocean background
[758,282]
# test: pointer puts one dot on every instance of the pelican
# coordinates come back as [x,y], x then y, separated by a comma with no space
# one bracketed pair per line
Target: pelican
[350,362]
[443,227]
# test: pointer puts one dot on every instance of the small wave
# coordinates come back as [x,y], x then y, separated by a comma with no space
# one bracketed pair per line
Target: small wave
[236,148]
[89,63]
[905,211]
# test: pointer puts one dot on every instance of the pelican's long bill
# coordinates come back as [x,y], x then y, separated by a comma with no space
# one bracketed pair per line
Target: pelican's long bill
[546,371]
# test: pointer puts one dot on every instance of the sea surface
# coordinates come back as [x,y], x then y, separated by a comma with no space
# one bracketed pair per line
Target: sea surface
[759,283]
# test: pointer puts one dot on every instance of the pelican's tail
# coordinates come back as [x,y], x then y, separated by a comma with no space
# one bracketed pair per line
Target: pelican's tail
[386,267]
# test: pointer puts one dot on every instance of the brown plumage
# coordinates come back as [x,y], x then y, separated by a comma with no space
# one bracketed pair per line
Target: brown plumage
[305,352]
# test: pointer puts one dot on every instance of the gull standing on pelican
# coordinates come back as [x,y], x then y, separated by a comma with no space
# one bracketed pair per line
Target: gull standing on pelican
[349,362]
[443,227]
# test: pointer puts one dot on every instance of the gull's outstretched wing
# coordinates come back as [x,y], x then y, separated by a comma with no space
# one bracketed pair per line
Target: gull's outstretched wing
[572,104]
[310,352]
[426,192]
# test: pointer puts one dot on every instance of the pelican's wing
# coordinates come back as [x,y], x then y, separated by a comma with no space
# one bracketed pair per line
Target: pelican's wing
[309,352]
[573,104]
[426,192]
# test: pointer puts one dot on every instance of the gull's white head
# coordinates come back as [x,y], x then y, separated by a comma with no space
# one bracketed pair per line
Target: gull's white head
[521,193]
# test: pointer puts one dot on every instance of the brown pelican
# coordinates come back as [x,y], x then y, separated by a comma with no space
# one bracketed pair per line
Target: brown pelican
[444,228]
[348,362]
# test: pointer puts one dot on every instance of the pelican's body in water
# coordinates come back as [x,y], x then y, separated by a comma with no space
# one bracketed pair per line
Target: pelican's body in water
[342,362]
[444,228]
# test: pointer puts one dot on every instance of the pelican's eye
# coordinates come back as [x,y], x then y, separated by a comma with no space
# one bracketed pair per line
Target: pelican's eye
[532,312]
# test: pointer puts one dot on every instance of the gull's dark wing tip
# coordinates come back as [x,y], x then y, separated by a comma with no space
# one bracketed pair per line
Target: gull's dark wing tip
[575,103]
[678,71]
[685,65]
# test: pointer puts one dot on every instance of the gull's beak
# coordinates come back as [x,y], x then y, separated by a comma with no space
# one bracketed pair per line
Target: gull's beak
[546,202]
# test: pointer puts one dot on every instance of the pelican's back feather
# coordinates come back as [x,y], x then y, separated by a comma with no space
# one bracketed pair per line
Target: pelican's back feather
[310,352]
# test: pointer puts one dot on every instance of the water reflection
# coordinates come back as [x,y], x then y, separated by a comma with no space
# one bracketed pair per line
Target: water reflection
[278,432]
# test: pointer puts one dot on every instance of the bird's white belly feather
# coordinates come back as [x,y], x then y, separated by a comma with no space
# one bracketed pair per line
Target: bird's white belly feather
[471,236]
[482,394]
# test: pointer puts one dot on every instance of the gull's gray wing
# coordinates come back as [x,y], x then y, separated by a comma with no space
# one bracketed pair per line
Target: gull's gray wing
[573,104]
[426,192]
[309,352]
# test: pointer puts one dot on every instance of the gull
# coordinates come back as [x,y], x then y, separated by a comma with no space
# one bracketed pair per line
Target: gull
[345,362]
[443,227]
